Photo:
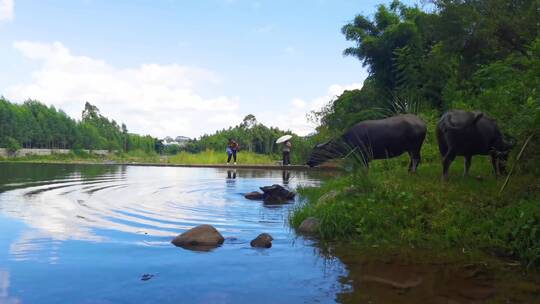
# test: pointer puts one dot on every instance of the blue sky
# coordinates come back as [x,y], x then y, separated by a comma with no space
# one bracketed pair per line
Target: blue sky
[170,67]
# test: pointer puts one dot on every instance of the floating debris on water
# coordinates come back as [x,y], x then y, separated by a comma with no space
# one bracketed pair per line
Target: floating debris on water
[147,276]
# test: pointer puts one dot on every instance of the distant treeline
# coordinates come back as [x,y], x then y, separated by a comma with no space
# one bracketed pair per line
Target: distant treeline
[252,136]
[467,54]
[34,125]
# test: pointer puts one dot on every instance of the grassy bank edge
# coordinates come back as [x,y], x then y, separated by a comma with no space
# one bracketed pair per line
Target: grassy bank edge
[389,208]
[208,157]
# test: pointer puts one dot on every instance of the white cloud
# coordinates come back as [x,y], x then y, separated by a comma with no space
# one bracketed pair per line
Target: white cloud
[336,89]
[6,10]
[225,120]
[298,103]
[151,98]
[295,119]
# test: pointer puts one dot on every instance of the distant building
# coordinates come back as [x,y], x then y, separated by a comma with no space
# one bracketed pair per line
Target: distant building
[179,141]
[182,139]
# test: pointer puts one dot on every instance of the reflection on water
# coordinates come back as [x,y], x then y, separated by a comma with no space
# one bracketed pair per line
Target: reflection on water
[100,228]
[414,276]
[286,177]
[157,201]
[231,174]
[4,289]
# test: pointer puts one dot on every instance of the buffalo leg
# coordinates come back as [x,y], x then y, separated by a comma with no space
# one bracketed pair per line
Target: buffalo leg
[447,160]
[502,167]
[410,161]
[468,159]
[415,160]
[495,164]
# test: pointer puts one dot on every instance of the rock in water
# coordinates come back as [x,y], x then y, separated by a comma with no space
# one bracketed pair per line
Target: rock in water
[255,195]
[203,238]
[263,240]
[276,194]
[310,225]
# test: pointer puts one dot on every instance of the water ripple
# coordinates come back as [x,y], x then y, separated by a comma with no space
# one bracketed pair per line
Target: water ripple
[144,209]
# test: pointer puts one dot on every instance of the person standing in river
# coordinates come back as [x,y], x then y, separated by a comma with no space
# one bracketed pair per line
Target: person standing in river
[287,153]
[232,147]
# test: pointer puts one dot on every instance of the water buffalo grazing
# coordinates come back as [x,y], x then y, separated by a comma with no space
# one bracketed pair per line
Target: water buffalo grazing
[376,139]
[471,133]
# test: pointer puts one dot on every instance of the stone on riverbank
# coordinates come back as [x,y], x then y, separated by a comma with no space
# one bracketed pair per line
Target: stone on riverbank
[202,237]
[255,195]
[309,226]
[263,240]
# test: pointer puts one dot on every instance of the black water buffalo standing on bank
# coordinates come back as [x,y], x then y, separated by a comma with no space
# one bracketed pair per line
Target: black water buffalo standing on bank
[376,139]
[471,133]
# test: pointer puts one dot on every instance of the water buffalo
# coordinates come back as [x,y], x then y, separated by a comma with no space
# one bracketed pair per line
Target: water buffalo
[471,133]
[376,139]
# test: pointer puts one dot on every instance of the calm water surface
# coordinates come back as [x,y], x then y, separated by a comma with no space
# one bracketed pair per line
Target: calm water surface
[87,234]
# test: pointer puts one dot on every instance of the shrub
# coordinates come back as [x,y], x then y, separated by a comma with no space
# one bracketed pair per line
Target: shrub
[12,145]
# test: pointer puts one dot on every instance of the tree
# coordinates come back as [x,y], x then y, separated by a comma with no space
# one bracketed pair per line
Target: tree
[12,145]
[392,28]
[249,121]
[33,124]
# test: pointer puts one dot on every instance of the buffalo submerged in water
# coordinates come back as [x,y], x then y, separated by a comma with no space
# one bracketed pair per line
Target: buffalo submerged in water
[376,139]
[471,133]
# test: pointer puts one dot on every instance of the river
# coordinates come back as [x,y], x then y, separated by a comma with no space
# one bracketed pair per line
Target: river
[88,234]
[101,234]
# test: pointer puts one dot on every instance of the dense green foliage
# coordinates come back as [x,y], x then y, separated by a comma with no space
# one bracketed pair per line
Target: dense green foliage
[34,125]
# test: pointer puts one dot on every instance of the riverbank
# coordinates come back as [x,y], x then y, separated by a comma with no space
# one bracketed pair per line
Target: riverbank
[206,159]
[389,208]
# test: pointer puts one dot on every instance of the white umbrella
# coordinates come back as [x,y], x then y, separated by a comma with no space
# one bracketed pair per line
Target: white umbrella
[283,138]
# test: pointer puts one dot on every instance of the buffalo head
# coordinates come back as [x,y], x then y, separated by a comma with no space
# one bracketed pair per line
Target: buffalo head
[329,150]
[500,153]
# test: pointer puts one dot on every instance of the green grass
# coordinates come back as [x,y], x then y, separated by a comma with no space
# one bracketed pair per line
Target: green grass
[138,156]
[213,157]
[388,207]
